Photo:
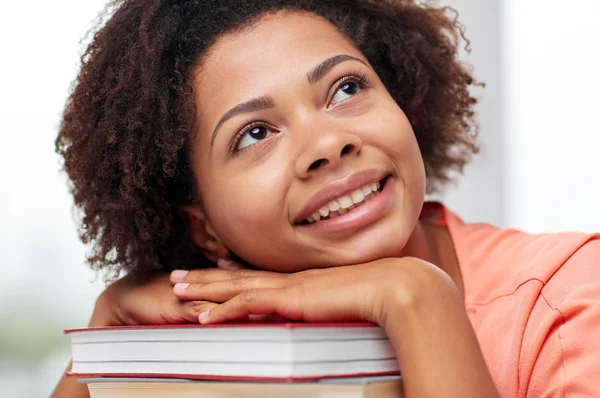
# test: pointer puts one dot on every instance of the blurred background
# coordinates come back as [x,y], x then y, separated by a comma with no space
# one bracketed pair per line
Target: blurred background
[537,171]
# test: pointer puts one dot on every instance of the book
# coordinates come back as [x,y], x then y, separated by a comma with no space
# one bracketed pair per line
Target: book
[241,352]
[371,387]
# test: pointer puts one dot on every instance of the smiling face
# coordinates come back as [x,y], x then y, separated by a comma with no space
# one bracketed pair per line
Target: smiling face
[302,157]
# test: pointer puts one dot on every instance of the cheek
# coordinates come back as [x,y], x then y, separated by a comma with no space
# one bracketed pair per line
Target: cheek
[393,134]
[397,139]
[250,204]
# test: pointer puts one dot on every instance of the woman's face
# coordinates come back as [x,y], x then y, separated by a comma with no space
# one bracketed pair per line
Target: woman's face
[302,157]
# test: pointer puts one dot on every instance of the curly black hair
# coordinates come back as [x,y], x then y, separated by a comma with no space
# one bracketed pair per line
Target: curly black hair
[129,122]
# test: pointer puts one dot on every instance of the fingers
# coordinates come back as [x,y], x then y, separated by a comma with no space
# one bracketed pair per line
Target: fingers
[189,311]
[251,302]
[216,274]
[224,290]
[199,275]
[244,293]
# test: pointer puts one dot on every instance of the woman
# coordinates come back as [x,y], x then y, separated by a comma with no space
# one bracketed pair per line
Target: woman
[299,138]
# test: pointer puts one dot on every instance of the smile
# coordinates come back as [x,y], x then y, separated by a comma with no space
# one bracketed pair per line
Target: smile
[350,210]
[345,203]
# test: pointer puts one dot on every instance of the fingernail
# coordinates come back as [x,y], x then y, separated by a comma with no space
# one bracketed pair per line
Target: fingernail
[178,275]
[203,317]
[225,264]
[180,287]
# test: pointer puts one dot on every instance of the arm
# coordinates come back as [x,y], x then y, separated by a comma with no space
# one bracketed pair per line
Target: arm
[434,340]
[68,387]
[128,303]
[418,305]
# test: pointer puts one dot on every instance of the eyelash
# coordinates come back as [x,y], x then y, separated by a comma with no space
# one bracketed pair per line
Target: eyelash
[244,130]
[358,77]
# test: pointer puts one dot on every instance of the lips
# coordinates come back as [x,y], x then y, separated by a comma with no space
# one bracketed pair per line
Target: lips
[339,189]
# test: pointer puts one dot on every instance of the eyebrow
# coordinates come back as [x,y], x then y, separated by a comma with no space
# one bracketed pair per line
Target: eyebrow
[266,102]
[253,105]
[319,71]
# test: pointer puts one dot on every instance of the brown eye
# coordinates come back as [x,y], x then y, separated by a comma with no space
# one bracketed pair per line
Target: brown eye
[251,136]
[349,88]
[258,133]
[345,90]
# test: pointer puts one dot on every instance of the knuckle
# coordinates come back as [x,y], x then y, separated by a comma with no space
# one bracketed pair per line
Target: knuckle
[195,307]
[192,305]
[248,296]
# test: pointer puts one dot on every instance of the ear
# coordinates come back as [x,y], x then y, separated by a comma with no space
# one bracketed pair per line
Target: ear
[202,233]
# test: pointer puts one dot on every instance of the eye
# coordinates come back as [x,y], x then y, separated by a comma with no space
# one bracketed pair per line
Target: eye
[346,91]
[348,87]
[250,135]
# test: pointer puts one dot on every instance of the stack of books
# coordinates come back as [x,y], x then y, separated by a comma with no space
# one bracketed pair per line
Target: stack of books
[236,360]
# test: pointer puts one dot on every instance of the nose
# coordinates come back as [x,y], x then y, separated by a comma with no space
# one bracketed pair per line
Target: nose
[326,151]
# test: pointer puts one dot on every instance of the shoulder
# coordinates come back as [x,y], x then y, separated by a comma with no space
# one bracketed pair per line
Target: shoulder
[495,262]
[577,280]
[564,353]
[534,302]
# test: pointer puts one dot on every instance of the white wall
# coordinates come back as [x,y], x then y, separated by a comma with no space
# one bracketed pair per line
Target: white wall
[478,196]
[552,101]
[44,284]
[540,125]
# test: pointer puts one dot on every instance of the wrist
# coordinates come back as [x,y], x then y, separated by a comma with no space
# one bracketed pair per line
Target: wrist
[417,287]
[429,328]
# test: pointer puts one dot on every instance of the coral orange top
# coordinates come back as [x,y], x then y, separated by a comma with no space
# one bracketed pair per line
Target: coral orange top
[534,302]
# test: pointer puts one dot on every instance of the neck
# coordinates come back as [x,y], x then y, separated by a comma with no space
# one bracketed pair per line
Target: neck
[433,243]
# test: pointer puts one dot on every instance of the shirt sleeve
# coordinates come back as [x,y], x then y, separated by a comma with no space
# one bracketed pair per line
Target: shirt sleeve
[567,363]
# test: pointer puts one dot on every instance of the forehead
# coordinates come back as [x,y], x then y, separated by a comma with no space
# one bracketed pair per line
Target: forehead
[277,48]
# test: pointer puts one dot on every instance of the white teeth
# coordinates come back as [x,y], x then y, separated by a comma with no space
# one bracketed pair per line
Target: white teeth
[345,201]
[357,196]
[333,205]
[324,211]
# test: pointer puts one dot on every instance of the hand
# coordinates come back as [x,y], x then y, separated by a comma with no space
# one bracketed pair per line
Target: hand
[358,292]
[126,302]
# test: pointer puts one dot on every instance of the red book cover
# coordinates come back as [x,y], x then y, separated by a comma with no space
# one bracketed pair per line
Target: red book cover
[286,325]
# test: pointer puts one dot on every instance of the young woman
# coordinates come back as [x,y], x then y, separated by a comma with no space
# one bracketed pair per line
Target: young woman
[298,138]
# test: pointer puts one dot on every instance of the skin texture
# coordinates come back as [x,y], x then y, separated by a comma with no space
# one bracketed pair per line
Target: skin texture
[308,123]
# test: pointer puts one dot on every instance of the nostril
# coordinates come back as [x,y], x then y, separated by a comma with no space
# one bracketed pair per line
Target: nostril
[347,149]
[318,163]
